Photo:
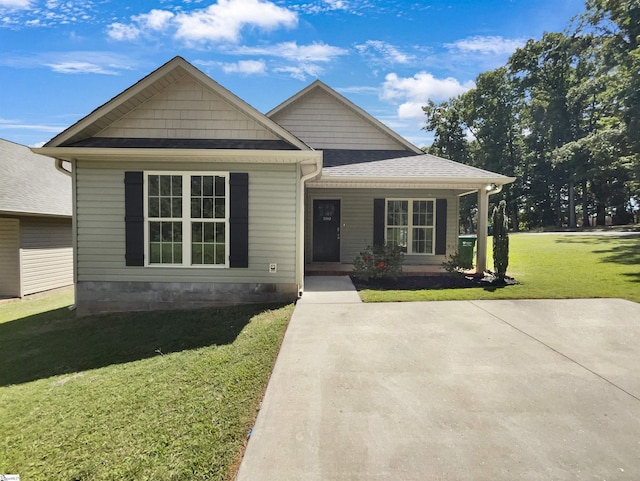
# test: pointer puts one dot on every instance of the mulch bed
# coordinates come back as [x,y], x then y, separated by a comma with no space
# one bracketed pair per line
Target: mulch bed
[444,281]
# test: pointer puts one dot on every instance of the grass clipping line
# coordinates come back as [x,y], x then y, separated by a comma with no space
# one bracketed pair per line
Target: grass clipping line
[131,414]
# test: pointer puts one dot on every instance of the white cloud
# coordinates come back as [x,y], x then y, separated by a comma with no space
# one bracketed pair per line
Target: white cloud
[301,71]
[33,14]
[248,67]
[336,4]
[155,19]
[223,21]
[383,52]
[19,125]
[413,92]
[120,31]
[315,52]
[490,45]
[306,58]
[73,62]
[80,67]
[17,4]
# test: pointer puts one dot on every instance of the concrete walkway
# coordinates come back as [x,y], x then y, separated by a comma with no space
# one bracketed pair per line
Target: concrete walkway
[329,290]
[461,390]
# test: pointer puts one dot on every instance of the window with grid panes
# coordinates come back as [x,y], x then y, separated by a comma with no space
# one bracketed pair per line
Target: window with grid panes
[410,224]
[187,219]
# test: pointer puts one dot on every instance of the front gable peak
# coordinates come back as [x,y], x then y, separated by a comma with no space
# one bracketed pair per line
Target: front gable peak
[324,119]
[177,103]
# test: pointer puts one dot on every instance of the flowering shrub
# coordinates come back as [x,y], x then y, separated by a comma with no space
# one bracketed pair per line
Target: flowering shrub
[377,263]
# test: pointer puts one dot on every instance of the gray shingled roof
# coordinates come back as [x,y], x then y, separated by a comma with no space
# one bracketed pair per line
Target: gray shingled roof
[144,143]
[336,157]
[31,184]
[418,166]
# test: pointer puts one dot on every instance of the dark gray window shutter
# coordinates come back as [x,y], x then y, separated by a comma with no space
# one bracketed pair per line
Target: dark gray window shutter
[134,218]
[378,222]
[239,219]
[441,226]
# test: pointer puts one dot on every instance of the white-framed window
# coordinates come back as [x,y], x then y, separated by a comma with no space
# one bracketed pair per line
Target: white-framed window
[410,224]
[186,219]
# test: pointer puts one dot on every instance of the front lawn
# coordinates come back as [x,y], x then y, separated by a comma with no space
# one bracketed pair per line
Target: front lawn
[153,396]
[550,266]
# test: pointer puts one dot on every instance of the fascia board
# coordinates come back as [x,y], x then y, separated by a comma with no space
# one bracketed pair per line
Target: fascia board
[470,181]
[169,155]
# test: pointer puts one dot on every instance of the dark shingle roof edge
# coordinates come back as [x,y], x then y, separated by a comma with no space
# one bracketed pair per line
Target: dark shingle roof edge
[150,143]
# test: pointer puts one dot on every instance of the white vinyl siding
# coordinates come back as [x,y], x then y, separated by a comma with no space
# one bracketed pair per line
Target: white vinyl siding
[101,227]
[9,257]
[357,220]
[187,110]
[46,254]
[322,122]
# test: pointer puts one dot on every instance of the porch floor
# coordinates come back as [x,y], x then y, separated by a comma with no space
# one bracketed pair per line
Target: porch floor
[339,269]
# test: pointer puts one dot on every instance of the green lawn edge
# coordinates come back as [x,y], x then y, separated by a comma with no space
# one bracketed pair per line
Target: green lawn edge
[550,266]
[142,396]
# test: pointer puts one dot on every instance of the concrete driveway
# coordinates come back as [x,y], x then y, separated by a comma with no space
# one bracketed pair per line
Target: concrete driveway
[462,390]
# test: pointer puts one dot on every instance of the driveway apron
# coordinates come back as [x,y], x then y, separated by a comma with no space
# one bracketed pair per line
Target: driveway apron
[459,390]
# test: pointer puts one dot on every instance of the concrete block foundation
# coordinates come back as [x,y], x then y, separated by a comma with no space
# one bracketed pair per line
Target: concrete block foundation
[102,297]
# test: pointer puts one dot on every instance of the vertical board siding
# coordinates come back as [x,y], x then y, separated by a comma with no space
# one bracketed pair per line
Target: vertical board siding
[187,110]
[9,257]
[101,226]
[46,254]
[357,220]
[321,121]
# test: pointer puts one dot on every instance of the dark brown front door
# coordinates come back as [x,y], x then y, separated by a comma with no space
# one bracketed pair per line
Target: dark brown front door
[326,230]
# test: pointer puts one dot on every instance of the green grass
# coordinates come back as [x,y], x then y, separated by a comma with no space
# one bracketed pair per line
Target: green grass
[550,267]
[144,396]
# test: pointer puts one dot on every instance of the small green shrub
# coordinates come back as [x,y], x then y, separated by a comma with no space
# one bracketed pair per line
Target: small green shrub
[457,263]
[378,263]
[500,239]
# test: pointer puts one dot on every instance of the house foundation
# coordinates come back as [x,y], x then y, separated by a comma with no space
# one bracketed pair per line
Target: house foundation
[103,297]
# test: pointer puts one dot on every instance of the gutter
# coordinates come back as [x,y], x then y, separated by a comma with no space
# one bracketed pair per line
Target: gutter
[61,168]
[301,218]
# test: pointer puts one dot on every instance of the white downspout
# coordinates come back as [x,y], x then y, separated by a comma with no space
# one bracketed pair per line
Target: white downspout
[483,223]
[301,223]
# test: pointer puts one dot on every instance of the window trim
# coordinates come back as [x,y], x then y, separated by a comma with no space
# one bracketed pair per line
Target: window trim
[410,226]
[186,218]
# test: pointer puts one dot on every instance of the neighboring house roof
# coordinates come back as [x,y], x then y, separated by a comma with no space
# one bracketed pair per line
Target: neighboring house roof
[214,113]
[324,119]
[31,184]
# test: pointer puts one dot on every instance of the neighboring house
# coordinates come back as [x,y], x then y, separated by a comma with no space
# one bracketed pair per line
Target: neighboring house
[188,196]
[36,251]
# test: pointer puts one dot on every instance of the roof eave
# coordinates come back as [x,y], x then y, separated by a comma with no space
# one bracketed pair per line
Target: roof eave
[464,184]
[168,155]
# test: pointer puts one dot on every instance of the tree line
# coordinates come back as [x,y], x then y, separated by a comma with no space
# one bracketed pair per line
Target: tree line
[563,116]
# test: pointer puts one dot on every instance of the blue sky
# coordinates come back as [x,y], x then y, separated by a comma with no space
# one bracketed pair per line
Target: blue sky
[60,59]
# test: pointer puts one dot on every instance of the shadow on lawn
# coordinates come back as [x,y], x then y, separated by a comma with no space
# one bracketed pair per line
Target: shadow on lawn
[55,342]
[616,249]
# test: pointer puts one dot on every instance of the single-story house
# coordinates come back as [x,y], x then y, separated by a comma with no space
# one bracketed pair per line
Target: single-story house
[184,194]
[36,251]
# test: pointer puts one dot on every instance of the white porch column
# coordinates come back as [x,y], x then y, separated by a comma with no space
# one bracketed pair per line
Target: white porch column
[483,222]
